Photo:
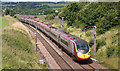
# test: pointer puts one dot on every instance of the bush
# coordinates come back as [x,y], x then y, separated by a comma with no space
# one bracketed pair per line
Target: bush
[50,16]
[109,51]
[100,43]
[15,16]
[91,43]
[87,34]
[35,17]
[117,51]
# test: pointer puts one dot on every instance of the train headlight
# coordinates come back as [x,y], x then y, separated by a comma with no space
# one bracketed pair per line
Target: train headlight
[89,53]
[79,53]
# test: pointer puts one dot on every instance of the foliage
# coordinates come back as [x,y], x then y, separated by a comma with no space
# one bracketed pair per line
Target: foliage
[110,51]
[102,14]
[18,48]
[31,8]
[48,11]
[50,16]
[88,34]
[91,42]
[70,11]
[10,12]
[100,43]
[35,17]
[7,11]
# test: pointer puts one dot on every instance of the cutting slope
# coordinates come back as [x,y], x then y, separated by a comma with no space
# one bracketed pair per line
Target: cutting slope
[18,48]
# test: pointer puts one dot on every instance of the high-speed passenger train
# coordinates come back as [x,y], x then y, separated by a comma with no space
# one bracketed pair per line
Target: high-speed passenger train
[76,47]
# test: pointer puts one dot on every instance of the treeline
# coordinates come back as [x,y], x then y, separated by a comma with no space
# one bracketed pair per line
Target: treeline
[28,8]
[104,15]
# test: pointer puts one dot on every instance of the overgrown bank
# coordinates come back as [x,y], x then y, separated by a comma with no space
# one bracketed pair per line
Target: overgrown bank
[102,14]
[18,48]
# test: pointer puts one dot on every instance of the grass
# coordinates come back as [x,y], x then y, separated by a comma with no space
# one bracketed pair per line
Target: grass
[6,21]
[54,6]
[110,37]
[18,48]
[0,22]
[7,5]
[3,22]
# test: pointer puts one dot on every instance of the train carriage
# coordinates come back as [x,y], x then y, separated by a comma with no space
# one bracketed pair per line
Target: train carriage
[77,47]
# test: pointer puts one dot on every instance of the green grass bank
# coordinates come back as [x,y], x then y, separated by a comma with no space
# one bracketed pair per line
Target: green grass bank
[18,47]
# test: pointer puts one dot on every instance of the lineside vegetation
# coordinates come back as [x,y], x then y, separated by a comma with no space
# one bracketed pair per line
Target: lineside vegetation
[18,48]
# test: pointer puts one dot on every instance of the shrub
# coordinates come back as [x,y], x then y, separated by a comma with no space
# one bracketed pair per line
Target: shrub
[15,16]
[99,43]
[110,51]
[50,16]
[91,42]
[117,49]
[35,17]
[87,34]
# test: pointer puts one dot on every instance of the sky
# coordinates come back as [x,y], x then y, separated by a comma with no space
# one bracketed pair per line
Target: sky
[56,0]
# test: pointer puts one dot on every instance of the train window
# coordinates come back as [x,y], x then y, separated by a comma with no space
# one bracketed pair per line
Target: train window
[42,26]
[39,25]
[72,46]
[54,34]
[63,41]
[46,29]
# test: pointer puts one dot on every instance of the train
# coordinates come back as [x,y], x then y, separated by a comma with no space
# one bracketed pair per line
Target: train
[78,48]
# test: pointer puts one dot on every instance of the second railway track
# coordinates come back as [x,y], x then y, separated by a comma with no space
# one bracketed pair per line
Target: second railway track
[64,61]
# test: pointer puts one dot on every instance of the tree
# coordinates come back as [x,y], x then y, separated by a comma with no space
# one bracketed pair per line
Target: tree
[104,15]
[7,11]
[50,16]
[48,11]
[12,13]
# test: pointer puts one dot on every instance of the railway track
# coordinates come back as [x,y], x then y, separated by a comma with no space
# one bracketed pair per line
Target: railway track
[65,61]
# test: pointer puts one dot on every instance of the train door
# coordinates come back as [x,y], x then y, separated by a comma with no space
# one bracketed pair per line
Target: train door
[50,33]
[58,38]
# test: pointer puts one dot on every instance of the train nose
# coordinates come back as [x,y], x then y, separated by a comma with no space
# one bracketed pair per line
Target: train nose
[79,53]
[83,56]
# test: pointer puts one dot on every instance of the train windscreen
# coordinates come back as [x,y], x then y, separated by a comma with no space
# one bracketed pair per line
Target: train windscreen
[83,48]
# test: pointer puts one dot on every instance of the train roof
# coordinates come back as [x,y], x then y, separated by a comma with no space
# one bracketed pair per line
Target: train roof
[80,41]
[58,31]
